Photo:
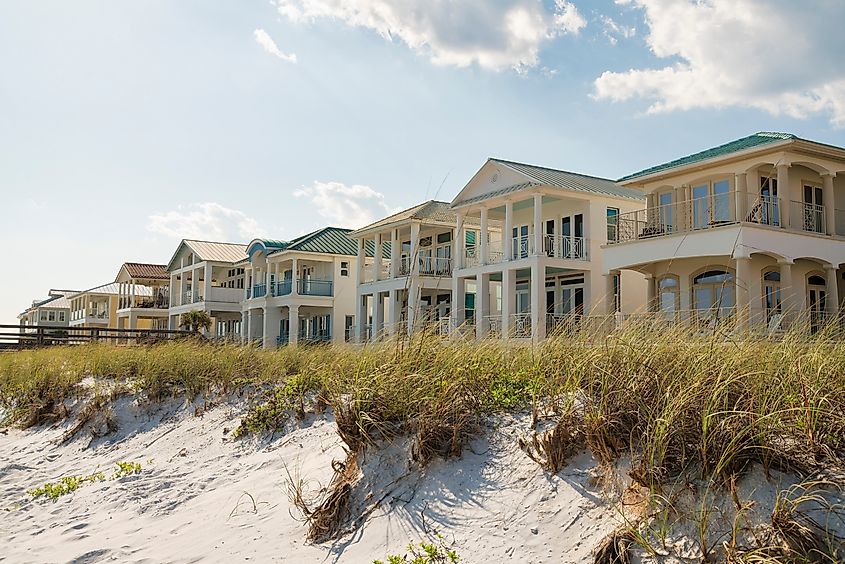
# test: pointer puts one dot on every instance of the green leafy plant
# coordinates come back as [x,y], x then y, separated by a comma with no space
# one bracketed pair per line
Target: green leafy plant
[69,484]
[126,469]
[424,553]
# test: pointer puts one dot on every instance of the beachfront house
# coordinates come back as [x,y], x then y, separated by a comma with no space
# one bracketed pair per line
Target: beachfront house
[536,264]
[207,276]
[95,307]
[406,281]
[143,296]
[300,291]
[750,233]
[52,311]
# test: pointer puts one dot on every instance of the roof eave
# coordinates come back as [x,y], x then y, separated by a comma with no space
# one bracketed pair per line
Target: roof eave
[738,155]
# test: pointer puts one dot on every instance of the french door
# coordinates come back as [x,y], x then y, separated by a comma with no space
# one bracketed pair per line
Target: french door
[813,209]
[520,241]
[572,235]
[769,205]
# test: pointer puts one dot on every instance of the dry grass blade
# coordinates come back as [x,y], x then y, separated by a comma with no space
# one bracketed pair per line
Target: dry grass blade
[551,449]
[327,518]
[444,432]
[613,549]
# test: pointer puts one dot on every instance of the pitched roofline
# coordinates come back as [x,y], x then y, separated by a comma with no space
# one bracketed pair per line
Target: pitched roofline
[581,174]
[186,242]
[386,221]
[779,143]
[307,237]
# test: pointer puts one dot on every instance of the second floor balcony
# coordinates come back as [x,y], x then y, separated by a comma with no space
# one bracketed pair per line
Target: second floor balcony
[304,287]
[727,208]
[564,247]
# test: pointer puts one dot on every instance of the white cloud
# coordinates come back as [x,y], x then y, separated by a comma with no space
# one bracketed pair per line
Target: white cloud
[264,39]
[494,34]
[346,206]
[613,30]
[208,221]
[781,56]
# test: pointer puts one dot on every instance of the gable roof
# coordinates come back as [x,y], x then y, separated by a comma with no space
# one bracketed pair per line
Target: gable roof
[433,211]
[148,271]
[112,288]
[212,251]
[327,240]
[571,180]
[760,139]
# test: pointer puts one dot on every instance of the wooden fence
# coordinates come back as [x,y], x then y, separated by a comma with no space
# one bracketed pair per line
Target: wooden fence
[13,337]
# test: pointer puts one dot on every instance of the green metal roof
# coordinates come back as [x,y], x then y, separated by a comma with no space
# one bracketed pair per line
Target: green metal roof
[571,180]
[757,140]
[432,211]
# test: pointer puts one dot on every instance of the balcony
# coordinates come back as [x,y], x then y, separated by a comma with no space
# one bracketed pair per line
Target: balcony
[160,300]
[258,291]
[435,266]
[565,247]
[282,288]
[718,210]
[312,287]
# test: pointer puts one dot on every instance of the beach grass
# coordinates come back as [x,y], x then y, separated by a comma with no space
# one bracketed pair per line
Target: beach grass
[681,405]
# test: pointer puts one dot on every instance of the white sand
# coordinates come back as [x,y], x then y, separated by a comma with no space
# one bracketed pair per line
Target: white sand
[189,503]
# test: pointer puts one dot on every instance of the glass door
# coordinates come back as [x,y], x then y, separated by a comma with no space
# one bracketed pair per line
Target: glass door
[550,242]
[813,209]
[520,242]
[816,301]
[664,214]
[769,207]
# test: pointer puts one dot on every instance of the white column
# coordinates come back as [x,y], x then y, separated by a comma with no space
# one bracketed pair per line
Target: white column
[393,311]
[651,303]
[538,293]
[359,266]
[378,315]
[538,225]
[508,299]
[293,324]
[832,299]
[609,294]
[507,236]
[361,318]
[829,203]
[244,326]
[207,283]
[272,321]
[415,249]
[294,288]
[394,253]
[785,196]
[458,243]
[377,258]
[482,305]
[484,238]
[741,187]
[788,303]
[743,297]
[414,287]
[458,302]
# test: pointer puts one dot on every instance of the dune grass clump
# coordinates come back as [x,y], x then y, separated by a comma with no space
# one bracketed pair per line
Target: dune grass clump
[425,553]
[69,484]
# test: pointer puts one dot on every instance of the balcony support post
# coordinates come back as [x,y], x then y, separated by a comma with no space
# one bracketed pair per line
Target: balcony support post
[743,294]
[829,203]
[458,243]
[360,318]
[293,325]
[538,293]
[393,312]
[651,293]
[272,322]
[206,290]
[784,194]
[507,236]
[377,257]
[538,224]
[394,253]
[832,298]
[458,304]
[294,286]
[609,292]
[484,238]
[741,205]
[482,305]
[508,297]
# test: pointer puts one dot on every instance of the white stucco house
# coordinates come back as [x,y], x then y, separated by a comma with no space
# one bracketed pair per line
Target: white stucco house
[300,291]
[537,264]
[751,232]
[208,276]
[143,296]
[405,281]
[52,311]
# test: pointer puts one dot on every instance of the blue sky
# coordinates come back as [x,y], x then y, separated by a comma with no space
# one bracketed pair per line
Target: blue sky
[126,125]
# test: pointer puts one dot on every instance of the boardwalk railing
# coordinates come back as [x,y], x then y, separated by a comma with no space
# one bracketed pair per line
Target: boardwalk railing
[30,336]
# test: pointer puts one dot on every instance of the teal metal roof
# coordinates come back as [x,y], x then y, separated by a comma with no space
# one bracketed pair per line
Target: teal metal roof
[572,180]
[757,140]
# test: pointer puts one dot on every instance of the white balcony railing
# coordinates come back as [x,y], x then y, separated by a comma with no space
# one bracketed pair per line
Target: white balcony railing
[565,247]
[807,217]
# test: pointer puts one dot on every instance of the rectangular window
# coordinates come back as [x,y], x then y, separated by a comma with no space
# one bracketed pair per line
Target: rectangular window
[51,316]
[612,223]
[444,237]
[43,316]
[344,268]
[62,316]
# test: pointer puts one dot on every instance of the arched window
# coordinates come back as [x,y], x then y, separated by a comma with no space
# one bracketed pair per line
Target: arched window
[771,293]
[669,295]
[714,290]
